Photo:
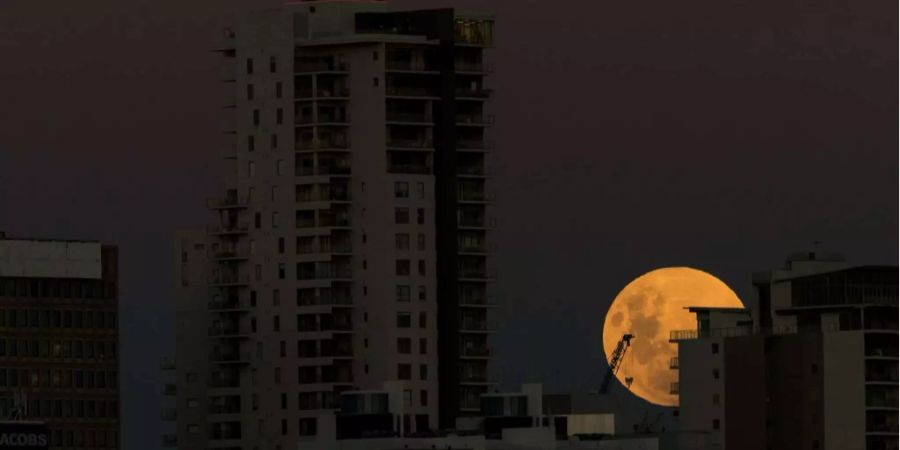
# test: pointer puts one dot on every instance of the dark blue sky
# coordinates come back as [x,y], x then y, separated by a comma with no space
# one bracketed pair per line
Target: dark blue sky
[719,134]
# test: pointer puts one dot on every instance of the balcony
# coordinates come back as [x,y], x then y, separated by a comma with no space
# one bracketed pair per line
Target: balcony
[412,169]
[414,144]
[225,382]
[410,118]
[477,301]
[475,273]
[325,118]
[412,92]
[467,377]
[307,67]
[673,389]
[169,389]
[229,229]
[230,357]
[229,202]
[474,119]
[333,143]
[230,255]
[232,305]
[400,65]
[338,93]
[475,353]
[476,326]
[231,280]
[673,363]
[474,248]
[475,196]
[226,331]
[476,221]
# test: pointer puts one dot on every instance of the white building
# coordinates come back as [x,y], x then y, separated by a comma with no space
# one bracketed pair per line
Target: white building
[352,245]
[812,363]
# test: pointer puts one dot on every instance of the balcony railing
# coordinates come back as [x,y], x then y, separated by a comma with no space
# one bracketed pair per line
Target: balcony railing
[409,66]
[409,117]
[226,305]
[673,389]
[473,195]
[323,144]
[474,119]
[227,203]
[225,331]
[476,325]
[320,66]
[169,414]
[230,357]
[334,92]
[233,280]
[682,335]
[409,143]
[404,91]
[418,169]
[673,363]
[169,389]
[476,222]
[228,229]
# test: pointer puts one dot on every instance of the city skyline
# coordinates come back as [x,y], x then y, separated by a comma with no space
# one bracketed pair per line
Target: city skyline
[608,118]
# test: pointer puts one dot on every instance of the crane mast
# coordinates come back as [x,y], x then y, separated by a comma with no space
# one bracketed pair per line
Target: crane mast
[616,360]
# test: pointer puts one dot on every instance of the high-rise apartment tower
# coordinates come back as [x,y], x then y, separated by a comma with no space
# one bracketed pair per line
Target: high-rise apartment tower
[352,246]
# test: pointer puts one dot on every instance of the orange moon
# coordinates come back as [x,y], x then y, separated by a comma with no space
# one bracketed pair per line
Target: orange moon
[649,308]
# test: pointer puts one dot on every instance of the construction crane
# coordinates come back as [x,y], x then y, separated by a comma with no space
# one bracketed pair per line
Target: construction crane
[616,360]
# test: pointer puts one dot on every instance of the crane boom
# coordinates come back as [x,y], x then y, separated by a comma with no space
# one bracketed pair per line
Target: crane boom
[615,360]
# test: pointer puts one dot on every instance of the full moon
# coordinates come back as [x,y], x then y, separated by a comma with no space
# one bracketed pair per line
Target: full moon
[649,308]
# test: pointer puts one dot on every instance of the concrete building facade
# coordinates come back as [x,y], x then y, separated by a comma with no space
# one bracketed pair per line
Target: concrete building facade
[59,346]
[352,245]
[812,363]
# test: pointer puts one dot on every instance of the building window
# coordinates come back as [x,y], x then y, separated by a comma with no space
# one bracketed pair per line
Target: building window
[422,267]
[401,189]
[423,397]
[278,90]
[401,216]
[251,168]
[249,66]
[251,144]
[402,267]
[283,427]
[281,271]
[404,320]
[420,216]
[274,142]
[375,81]
[279,167]
[715,349]
[423,322]
[422,293]
[276,326]
[715,373]
[423,346]
[275,219]
[423,372]
[404,372]
[404,346]
[250,92]
[715,424]
[402,240]
[403,293]
[421,242]
[279,116]
[716,399]
[257,220]
[256,118]
[281,245]
[420,190]
[259,272]
[273,64]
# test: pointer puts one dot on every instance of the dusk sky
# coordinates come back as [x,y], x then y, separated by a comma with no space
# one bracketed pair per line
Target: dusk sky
[631,135]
